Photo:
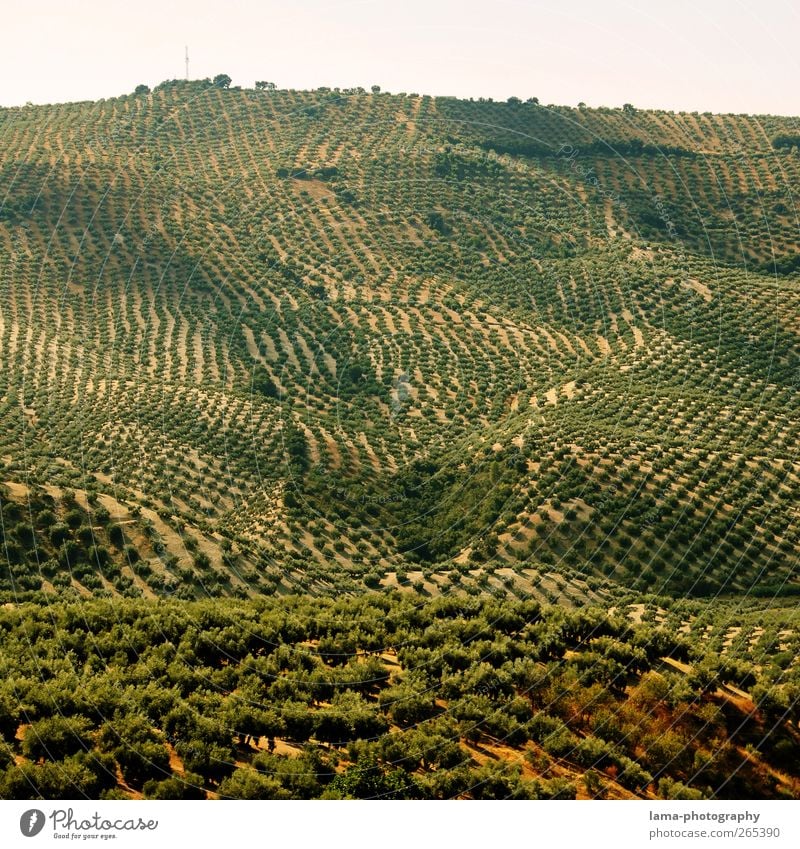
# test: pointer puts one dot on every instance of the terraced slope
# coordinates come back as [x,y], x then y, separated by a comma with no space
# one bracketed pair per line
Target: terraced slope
[334,340]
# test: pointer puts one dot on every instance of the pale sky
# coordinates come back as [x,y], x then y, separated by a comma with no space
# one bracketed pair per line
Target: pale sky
[715,55]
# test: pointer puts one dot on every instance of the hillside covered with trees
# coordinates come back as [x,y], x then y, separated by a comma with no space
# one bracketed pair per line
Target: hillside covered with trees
[481,416]
[381,696]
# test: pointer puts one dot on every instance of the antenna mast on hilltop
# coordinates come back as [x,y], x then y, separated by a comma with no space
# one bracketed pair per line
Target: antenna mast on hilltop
[187,63]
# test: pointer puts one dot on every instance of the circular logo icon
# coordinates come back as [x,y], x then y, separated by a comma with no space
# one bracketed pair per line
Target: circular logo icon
[31,822]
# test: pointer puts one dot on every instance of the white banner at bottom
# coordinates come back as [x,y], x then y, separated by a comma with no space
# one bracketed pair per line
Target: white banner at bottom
[401,825]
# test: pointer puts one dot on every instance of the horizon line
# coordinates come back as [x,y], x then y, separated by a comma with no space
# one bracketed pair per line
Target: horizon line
[360,90]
